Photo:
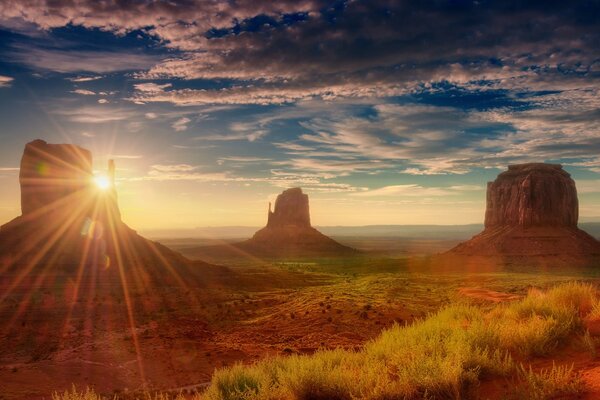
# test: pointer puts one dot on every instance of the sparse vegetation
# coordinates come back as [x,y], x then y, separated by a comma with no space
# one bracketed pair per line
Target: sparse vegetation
[549,382]
[442,356]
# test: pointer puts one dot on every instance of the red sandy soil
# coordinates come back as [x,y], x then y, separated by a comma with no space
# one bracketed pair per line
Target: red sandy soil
[180,336]
[488,295]
[218,316]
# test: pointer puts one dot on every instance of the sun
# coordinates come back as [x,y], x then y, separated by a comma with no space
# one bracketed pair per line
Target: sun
[102,182]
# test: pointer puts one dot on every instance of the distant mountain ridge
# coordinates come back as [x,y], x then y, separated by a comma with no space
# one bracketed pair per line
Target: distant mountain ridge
[408,231]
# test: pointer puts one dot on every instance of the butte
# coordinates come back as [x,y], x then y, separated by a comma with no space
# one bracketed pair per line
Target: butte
[531,213]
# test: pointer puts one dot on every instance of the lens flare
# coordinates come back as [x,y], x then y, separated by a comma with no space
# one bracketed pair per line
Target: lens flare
[102,182]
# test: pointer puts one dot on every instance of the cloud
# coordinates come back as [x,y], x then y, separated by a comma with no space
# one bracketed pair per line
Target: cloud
[288,51]
[150,87]
[249,136]
[412,190]
[187,172]
[174,168]
[5,81]
[181,124]
[151,115]
[103,101]
[244,159]
[125,156]
[95,114]
[61,60]
[84,92]
[85,78]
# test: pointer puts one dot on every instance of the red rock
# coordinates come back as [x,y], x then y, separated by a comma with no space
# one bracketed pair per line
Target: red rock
[291,209]
[532,211]
[53,175]
[289,233]
[67,219]
[532,195]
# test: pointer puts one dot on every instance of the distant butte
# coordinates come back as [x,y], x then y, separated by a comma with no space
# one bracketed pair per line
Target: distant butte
[531,211]
[289,232]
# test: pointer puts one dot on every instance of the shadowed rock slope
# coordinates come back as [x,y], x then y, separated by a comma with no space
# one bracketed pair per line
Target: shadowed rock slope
[532,211]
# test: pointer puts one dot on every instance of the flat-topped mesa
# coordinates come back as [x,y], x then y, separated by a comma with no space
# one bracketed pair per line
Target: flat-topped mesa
[53,175]
[532,195]
[291,209]
[532,212]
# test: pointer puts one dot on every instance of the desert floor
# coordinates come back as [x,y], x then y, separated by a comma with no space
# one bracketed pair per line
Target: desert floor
[173,337]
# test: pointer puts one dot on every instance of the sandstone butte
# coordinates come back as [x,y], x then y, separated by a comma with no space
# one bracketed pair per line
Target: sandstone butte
[289,231]
[66,219]
[532,211]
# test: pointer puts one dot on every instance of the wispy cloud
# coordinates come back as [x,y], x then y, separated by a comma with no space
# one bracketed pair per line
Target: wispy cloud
[416,190]
[95,114]
[84,92]
[181,124]
[60,60]
[5,81]
[125,156]
[85,78]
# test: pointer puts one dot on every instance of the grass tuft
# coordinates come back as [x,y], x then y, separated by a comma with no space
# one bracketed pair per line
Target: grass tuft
[550,383]
[443,356]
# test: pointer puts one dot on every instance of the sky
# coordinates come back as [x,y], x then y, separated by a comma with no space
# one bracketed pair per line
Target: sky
[384,112]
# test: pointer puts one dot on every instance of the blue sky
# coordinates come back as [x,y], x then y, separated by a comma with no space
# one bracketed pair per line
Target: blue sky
[385,112]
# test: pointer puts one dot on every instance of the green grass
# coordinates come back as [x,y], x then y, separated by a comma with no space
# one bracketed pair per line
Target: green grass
[444,356]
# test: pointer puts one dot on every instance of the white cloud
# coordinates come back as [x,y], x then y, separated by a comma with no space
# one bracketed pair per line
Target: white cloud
[415,190]
[84,92]
[85,78]
[95,114]
[151,88]
[181,124]
[102,101]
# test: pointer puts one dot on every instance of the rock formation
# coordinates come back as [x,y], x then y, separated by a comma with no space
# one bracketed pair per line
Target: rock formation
[67,218]
[53,175]
[530,195]
[291,209]
[532,210]
[289,232]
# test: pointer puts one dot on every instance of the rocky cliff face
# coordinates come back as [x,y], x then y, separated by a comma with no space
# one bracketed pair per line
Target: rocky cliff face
[529,195]
[53,176]
[291,209]
[532,210]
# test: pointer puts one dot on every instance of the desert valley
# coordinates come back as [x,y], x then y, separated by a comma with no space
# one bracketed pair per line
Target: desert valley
[299,200]
[88,303]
